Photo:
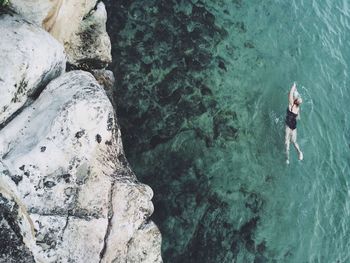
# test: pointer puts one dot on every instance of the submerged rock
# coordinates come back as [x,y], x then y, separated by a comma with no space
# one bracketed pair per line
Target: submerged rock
[81,195]
[79,25]
[30,58]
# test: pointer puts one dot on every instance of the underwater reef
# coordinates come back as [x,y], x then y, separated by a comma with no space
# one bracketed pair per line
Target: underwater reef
[175,62]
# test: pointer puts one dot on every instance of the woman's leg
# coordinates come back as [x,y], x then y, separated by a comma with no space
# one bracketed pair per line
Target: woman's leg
[296,145]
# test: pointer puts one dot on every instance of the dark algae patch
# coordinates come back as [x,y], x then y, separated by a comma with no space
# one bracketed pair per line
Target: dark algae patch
[98,138]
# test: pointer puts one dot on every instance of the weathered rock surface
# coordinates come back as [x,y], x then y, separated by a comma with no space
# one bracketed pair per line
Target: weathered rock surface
[65,157]
[144,245]
[14,222]
[78,24]
[30,58]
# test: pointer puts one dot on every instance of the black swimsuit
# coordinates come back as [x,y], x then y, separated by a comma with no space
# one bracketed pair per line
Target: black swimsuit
[291,119]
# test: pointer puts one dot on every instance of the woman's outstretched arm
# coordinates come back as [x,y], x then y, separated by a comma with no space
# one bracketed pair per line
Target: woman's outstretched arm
[291,92]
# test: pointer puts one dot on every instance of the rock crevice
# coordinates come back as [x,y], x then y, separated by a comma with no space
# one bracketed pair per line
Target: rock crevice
[110,216]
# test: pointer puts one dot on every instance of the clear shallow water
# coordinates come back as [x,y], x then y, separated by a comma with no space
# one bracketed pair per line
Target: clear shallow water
[202,98]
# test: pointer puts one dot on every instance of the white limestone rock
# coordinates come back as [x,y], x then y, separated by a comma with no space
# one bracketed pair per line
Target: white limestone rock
[29,59]
[35,11]
[80,25]
[65,155]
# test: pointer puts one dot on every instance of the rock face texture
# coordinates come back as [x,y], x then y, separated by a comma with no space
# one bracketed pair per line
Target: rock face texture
[78,24]
[67,192]
[30,59]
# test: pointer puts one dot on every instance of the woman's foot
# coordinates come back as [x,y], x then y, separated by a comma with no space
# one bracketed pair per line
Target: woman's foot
[287,161]
[301,156]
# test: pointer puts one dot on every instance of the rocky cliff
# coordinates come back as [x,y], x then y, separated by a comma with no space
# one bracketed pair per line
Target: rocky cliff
[67,192]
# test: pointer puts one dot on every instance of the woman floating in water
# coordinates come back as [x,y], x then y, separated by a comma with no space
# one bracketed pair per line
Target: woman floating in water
[293,112]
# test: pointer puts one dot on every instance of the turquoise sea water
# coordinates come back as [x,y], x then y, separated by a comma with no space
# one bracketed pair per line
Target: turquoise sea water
[307,206]
[202,94]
